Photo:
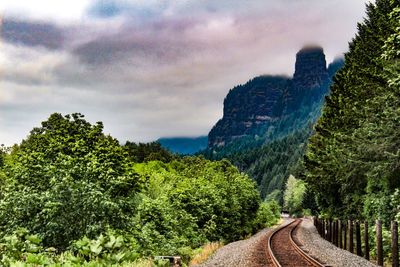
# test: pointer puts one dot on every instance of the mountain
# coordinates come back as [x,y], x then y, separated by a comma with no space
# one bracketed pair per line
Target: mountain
[267,122]
[250,109]
[184,145]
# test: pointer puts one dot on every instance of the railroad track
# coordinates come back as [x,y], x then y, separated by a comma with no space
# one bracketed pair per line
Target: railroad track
[283,251]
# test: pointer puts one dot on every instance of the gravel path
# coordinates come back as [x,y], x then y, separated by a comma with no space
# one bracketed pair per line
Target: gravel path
[249,252]
[324,251]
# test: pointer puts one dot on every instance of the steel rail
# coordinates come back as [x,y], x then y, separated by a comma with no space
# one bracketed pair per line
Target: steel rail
[299,251]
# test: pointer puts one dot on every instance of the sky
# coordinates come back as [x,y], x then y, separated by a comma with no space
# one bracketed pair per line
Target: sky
[152,68]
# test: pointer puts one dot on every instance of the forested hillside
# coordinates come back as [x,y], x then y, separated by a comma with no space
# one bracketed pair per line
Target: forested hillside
[353,159]
[267,121]
[71,195]
[272,163]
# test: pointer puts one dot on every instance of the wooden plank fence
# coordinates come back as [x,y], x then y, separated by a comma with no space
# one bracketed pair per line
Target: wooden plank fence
[348,236]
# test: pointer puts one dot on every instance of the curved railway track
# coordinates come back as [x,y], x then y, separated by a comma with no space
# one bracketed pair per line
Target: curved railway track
[283,250]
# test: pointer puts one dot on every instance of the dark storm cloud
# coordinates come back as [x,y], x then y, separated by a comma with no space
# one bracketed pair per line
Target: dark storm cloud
[32,33]
[161,41]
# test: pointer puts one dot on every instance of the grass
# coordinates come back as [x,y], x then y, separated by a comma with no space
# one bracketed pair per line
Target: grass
[140,263]
[205,252]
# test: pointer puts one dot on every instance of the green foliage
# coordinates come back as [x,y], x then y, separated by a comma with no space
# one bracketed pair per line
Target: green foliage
[69,180]
[22,248]
[270,164]
[2,155]
[275,195]
[294,195]
[395,203]
[203,189]
[106,249]
[88,203]
[352,160]
[268,214]
[147,152]
[386,242]
[20,245]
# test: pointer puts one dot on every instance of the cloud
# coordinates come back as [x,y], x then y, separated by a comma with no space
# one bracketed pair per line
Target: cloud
[32,34]
[45,9]
[30,65]
[149,69]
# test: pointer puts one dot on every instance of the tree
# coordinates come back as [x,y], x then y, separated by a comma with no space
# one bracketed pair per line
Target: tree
[68,179]
[352,159]
[147,152]
[294,195]
[2,155]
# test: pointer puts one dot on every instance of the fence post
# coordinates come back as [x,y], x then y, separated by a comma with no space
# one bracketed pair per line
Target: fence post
[335,237]
[334,232]
[337,233]
[358,238]
[379,247]
[323,229]
[345,235]
[320,222]
[351,241]
[340,233]
[330,230]
[320,226]
[395,245]
[366,241]
[327,229]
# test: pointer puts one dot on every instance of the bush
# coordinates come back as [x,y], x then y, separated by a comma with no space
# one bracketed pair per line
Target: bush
[268,214]
[68,180]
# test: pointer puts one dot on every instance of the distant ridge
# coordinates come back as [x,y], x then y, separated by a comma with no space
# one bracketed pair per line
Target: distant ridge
[184,145]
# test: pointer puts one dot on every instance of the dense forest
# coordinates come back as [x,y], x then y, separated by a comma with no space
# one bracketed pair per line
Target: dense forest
[353,159]
[272,156]
[69,194]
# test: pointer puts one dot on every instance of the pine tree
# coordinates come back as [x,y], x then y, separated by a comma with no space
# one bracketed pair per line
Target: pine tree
[353,155]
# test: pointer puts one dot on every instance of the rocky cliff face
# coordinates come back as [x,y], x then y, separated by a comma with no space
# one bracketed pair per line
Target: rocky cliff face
[247,107]
[310,80]
[310,69]
[250,107]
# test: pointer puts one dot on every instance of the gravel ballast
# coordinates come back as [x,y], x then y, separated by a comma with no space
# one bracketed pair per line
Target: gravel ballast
[324,251]
[252,251]
[248,252]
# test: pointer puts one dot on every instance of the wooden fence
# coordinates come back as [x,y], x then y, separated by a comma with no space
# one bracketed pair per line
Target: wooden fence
[347,235]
